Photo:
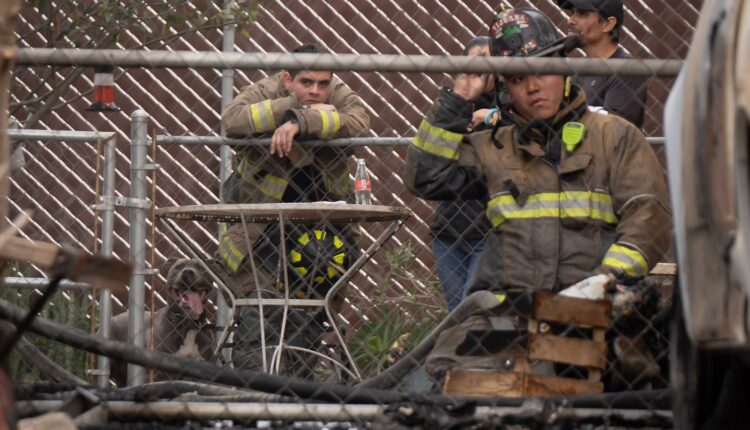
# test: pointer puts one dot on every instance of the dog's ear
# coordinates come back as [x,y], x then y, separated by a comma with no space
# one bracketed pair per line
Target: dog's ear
[167,266]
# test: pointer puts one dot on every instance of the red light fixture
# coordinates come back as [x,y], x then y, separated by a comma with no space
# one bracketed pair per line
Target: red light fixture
[104,91]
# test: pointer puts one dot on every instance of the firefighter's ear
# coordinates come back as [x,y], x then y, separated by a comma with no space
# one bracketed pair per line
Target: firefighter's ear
[286,77]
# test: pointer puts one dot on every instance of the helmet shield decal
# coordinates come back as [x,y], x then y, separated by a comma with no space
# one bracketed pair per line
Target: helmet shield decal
[521,32]
[511,34]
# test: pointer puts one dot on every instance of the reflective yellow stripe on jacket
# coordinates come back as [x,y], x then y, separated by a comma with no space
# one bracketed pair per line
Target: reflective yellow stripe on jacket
[437,141]
[262,118]
[567,204]
[270,185]
[331,124]
[230,253]
[629,260]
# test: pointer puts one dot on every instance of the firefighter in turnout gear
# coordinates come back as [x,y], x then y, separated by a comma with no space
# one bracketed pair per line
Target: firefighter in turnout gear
[304,104]
[288,105]
[572,193]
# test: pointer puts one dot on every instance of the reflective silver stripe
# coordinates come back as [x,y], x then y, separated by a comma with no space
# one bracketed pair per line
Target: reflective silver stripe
[273,186]
[567,204]
[331,123]
[270,185]
[262,116]
[230,253]
[437,141]
[631,261]
[247,167]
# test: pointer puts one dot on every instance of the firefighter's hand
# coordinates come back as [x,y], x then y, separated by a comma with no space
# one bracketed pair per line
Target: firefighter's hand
[592,288]
[283,138]
[479,116]
[470,85]
[323,106]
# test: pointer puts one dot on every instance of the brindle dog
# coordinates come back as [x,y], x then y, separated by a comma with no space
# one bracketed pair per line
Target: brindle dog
[181,328]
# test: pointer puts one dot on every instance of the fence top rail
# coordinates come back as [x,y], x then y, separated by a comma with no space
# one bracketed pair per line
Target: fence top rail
[163,139]
[20,134]
[37,283]
[346,62]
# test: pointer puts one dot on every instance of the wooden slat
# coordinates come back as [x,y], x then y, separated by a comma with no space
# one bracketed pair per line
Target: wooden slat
[49,421]
[664,269]
[99,271]
[92,269]
[555,308]
[546,386]
[578,352]
[483,384]
[595,375]
[512,384]
[40,253]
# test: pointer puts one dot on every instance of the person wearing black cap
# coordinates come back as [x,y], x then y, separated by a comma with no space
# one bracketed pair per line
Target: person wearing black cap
[573,194]
[598,24]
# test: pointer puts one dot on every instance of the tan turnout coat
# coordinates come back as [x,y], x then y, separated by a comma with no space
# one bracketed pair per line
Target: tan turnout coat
[259,109]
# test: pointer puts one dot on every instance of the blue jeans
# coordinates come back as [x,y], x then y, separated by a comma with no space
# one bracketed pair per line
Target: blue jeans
[457,262]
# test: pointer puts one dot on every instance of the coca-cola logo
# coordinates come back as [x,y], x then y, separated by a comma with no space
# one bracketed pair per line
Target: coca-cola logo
[362,185]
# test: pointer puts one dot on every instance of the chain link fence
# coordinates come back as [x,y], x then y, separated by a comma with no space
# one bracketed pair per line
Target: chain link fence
[348,359]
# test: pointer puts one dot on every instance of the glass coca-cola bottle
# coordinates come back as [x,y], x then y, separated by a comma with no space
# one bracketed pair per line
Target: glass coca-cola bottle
[362,185]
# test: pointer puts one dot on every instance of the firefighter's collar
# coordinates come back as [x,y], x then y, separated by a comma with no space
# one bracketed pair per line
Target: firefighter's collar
[532,148]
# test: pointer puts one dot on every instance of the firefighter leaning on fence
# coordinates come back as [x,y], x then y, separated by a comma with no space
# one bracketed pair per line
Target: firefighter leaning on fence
[289,105]
[572,193]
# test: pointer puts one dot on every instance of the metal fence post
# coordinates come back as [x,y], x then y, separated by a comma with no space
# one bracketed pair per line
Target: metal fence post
[138,205]
[107,209]
[225,153]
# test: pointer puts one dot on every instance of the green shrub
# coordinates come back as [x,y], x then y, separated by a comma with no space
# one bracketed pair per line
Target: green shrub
[69,310]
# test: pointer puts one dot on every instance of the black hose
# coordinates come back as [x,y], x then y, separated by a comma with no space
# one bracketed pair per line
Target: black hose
[209,372]
[327,392]
[171,389]
[149,392]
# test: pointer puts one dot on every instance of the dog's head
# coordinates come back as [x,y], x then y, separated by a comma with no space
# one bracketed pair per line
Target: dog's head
[188,284]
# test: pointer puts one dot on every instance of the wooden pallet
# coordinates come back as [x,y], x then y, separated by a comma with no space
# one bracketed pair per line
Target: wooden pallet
[549,310]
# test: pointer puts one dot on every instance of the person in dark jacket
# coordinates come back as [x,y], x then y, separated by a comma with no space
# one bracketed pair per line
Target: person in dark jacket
[573,194]
[598,23]
[459,226]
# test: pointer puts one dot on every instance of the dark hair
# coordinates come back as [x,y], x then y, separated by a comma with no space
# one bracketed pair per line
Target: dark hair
[477,41]
[614,34]
[307,48]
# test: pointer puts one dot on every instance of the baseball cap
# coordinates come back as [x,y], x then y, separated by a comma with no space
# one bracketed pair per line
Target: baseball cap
[606,8]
